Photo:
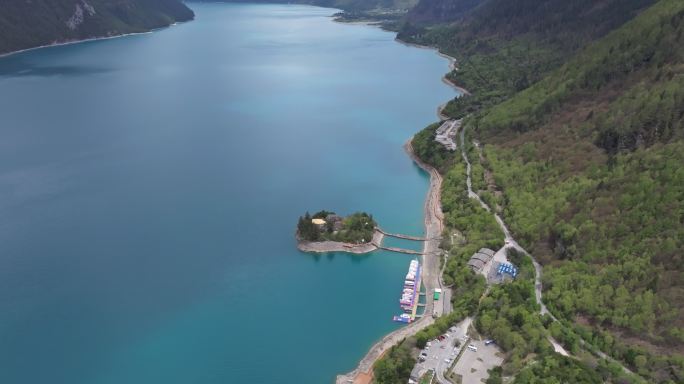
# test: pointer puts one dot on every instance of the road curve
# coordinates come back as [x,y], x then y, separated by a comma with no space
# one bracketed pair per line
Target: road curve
[511,243]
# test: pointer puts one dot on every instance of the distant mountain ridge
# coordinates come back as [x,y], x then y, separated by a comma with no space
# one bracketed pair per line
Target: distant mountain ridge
[27,24]
[583,20]
[346,5]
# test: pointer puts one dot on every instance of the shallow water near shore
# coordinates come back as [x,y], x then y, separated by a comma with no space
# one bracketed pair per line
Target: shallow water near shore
[150,186]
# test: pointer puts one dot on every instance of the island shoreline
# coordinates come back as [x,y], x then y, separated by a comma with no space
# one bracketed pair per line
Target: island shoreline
[338,246]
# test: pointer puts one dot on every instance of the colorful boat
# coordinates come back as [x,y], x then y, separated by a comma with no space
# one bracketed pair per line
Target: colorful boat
[403,318]
[410,294]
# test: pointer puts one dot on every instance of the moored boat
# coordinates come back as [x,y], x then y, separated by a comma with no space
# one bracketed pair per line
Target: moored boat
[410,293]
[403,318]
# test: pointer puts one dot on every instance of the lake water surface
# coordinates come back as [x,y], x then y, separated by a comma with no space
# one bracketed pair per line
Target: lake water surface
[150,187]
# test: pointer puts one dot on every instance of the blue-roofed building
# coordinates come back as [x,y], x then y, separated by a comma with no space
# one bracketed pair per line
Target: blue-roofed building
[507,268]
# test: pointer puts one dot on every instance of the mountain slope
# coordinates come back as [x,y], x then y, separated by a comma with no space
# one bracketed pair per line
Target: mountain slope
[589,162]
[503,47]
[440,11]
[579,111]
[27,24]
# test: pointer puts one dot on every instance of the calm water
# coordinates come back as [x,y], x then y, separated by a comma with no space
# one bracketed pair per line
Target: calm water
[149,188]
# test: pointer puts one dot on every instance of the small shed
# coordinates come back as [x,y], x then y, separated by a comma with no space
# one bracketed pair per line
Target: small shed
[438,292]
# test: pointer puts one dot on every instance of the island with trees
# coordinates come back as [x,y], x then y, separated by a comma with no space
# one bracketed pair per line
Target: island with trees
[326,231]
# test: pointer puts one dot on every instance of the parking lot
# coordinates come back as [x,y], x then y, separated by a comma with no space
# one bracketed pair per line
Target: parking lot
[440,354]
[473,365]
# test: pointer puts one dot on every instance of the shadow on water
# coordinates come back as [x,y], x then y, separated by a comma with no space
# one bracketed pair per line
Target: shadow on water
[18,67]
[355,257]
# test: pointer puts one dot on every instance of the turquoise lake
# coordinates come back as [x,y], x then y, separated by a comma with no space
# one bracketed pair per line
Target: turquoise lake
[150,187]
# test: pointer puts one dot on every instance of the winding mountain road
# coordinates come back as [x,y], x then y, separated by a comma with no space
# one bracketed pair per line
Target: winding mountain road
[511,243]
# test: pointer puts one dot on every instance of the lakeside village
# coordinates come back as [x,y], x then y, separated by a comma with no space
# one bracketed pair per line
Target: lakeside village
[326,231]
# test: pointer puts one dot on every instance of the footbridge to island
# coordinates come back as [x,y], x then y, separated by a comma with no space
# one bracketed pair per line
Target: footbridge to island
[380,245]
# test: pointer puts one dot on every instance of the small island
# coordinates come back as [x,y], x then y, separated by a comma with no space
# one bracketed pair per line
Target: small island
[326,231]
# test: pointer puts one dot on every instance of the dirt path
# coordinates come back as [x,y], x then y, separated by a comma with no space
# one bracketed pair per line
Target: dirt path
[431,278]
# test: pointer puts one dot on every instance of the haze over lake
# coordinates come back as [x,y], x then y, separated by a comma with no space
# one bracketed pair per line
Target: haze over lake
[150,186]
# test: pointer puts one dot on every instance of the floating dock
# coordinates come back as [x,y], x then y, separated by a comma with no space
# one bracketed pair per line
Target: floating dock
[410,294]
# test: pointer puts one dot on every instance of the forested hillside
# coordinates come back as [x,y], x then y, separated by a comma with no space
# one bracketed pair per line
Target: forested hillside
[503,47]
[590,160]
[580,107]
[440,11]
[27,24]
